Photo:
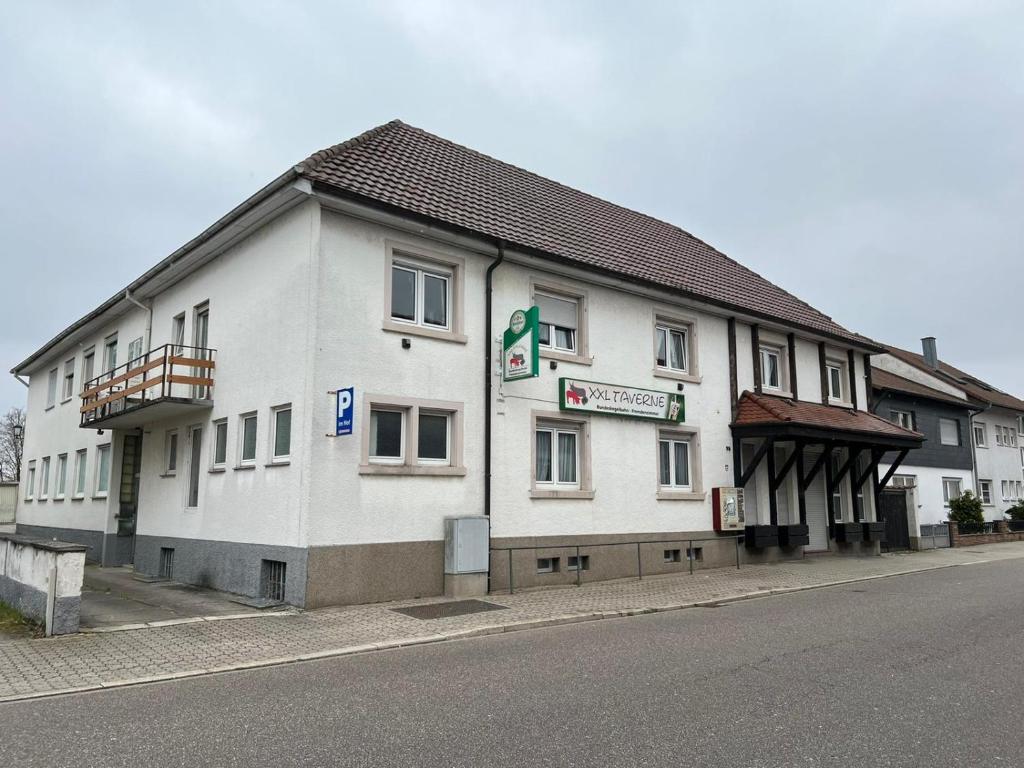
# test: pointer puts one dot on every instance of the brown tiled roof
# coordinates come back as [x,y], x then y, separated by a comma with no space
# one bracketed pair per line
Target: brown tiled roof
[884,380]
[419,173]
[976,389]
[762,410]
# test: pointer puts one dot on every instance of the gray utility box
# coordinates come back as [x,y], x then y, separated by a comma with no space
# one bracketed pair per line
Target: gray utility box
[466,544]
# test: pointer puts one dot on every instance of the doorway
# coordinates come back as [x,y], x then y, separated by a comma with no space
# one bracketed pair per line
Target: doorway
[128,497]
[892,510]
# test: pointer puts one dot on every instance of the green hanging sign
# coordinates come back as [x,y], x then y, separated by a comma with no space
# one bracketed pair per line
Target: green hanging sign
[520,357]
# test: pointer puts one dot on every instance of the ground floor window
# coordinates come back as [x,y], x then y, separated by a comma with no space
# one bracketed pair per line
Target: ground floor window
[985,491]
[557,457]
[837,490]
[103,470]
[404,435]
[952,488]
[903,481]
[195,462]
[674,463]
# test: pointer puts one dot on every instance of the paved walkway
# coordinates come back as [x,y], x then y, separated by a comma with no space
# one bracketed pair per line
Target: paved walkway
[42,667]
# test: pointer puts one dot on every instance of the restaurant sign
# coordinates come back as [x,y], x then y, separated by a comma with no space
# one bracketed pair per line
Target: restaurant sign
[615,400]
[519,347]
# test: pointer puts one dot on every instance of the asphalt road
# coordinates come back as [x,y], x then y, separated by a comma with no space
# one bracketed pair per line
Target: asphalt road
[920,670]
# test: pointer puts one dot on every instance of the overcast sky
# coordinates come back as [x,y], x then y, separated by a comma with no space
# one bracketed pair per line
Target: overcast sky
[868,157]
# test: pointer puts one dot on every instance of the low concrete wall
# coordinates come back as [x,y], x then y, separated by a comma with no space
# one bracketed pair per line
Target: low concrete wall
[26,566]
[1001,534]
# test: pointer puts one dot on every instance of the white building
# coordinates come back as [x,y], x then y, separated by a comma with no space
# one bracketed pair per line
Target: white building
[188,424]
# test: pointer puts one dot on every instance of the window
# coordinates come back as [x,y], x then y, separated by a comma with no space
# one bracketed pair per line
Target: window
[171,452]
[44,478]
[411,436]
[980,438]
[220,443]
[577,563]
[771,368]
[30,482]
[88,366]
[420,295]
[547,565]
[178,333]
[836,376]
[1006,436]
[51,389]
[674,463]
[103,470]
[1020,425]
[671,348]
[951,488]
[282,423]
[247,440]
[985,491]
[80,459]
[1004,486]
[61,478]
[837,491]
[110,353]
[195,440]
[557,457]
[69,380]
[672,556]
[134,350]
[559,321]
[904,419]
[903,481]
[949,432]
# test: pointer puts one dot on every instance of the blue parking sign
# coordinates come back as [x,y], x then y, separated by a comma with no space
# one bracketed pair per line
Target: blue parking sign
[346,411]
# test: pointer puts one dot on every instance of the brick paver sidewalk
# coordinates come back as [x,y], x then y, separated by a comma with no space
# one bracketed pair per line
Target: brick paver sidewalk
[89,661]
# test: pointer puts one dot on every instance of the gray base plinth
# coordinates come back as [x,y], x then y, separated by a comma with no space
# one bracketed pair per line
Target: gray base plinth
[465,584]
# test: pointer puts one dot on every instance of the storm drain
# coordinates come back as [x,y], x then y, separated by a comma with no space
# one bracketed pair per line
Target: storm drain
[447,610]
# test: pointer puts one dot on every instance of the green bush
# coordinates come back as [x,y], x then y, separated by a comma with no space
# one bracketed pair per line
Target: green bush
[966,509]
[1016,512]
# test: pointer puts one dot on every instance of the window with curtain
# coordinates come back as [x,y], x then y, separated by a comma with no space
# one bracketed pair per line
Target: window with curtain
[771,368]
[951,488]
[559,321]
[671,348]
[674,463]
[557,457]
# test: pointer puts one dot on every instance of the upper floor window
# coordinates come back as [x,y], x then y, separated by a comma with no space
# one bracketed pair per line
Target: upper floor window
[282,426]
[134,349]
[30,481]
[88,365]
[835,371]
[110,353]
[51,389]
[949,432]
[178,333]
[980,436]
[220,443]
[559,321]
[423,293]
[671,348]
[771,367]
[1006,436]
[68,391]
[904,419]
[247,439]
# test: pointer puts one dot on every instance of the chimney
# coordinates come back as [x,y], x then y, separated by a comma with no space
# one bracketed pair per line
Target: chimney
[931,355]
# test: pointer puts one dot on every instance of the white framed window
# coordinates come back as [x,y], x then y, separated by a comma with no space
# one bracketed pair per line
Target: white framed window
[110,353]
[672,348]
[1011,437]
[411,436]
[68,390]
[952,488]
[557,457]
[171,452]
[80,470]
[985,491]
[102,484]
[949,432]
[674,463]
[195,463]
[980,436]
[772,376]
[61,478]
[134,350]
[559,321]
[30,481]
[836,378]
[88,365]
[44,478]
[1020,425]
[51,389]
[220,444]
[903,481]
[421,294]
[904,419]
[281,440]
[247,427]
[178,333]
[547,565]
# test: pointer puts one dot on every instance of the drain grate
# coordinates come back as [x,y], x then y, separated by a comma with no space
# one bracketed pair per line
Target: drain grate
[447,610]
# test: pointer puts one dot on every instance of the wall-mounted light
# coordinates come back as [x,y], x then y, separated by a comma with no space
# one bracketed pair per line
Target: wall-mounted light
[406,343]
[554,365]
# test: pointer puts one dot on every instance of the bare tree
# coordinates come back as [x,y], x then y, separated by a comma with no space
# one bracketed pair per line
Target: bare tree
[12,430]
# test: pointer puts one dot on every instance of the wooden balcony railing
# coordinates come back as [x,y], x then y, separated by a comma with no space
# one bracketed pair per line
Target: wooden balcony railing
[169,373]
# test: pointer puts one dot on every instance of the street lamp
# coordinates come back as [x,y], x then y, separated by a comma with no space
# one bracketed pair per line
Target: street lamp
[17,430]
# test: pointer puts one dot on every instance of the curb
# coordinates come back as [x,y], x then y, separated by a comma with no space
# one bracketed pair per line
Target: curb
[463,634]
[176,622]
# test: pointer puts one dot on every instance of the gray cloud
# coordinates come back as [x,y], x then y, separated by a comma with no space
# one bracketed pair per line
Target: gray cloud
[866,157]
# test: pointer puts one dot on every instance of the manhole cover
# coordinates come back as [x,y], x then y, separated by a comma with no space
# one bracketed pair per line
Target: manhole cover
[445,610]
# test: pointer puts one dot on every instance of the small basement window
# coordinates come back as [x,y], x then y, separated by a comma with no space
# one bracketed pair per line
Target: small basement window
[673,556]
[583,561]
[697,553]
[166,562]
[272,579]
[547,565]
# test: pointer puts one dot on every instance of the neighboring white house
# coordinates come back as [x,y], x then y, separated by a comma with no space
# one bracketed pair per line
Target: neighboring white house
[8,503]
[189,424]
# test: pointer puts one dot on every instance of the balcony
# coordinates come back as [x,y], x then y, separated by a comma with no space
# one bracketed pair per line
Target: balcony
[164,383]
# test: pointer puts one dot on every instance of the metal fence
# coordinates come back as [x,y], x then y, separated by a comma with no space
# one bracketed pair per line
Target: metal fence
[934,536]
[1017,526]
[639,558]
[969,528]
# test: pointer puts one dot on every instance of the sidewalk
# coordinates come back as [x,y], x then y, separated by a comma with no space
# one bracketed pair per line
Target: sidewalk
[41,667]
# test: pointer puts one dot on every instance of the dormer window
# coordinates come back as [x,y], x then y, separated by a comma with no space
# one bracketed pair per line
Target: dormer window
[771,368]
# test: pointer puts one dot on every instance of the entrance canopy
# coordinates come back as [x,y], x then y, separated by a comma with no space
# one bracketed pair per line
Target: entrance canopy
[849,442]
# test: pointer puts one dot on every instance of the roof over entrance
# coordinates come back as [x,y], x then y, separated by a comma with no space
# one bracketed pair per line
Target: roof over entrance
[767,415]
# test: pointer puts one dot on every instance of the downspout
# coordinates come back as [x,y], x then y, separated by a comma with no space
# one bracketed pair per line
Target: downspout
[149,316]
[489,378]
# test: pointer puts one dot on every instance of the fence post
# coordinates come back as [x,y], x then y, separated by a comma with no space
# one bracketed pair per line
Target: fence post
[579,567]
[737,552]
[690,554]
[510,570]
[639,564]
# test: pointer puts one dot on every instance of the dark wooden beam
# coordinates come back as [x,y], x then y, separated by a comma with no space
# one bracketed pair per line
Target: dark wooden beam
[830,503]
[869,387]
[876,456]
[823,369]
[737,461]
[817,465]
[851,460]
[748,472]
[791,342]
[801,487]
[773,502]
[851,363]
[895,466]
[734,387]
[755,346]
[776,480]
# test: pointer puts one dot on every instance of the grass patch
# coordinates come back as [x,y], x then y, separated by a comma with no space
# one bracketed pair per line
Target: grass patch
[13,624]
